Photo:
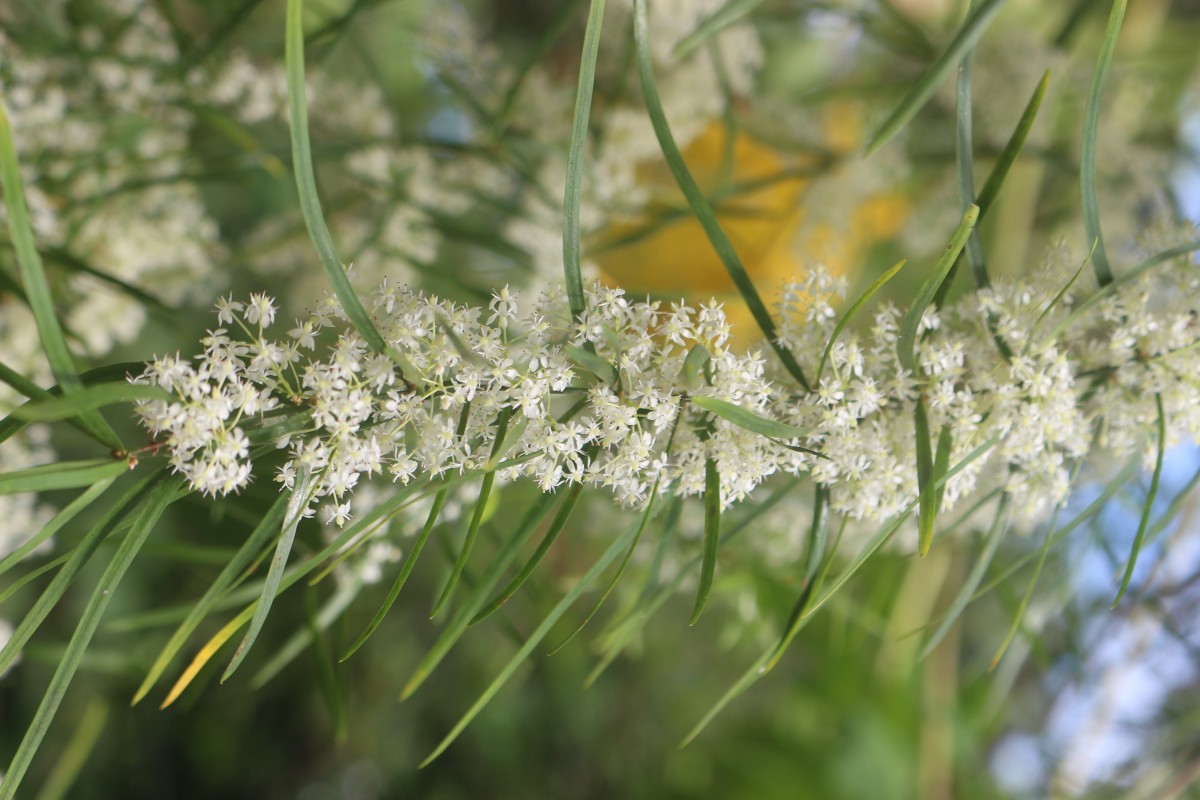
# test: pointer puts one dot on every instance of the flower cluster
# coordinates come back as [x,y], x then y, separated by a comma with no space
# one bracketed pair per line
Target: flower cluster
[594,400]
[606,399]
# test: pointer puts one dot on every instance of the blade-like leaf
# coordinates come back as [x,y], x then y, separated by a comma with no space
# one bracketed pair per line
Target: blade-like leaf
[750,420]
[37,289]
[991,542]
[920,92]
[601,563]
[1148,508]
[579,130]
[297,505]
[246,553]
[1012,148]
[569,501]
[713,24]
[146,515]
[53,526]
[712,536]
[485,491]
[306,183]
[74,404]
[63,475]
[699,203]
[1091,127]
[909,325]
[410,561]
[468,614]
[884,534]
[852,311]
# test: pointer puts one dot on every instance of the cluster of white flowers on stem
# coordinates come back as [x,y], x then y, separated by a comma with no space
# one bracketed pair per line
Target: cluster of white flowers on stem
[608,399]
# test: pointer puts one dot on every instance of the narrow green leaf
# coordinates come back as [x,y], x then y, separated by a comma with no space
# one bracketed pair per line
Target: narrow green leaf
[1043,552]
[1111,288]
[907,341]
[920,92]
[55,525]
[37,289]
[575,153]
[327,669]
[699,203]
[712,536]
[713,24]
[1058,298]
[469,612]
[19,382]
[619,635]
[1148,509]
[991,542]
[241,560]
[62,475]
[885,533]
[926,480]
[567,507]
[306,183]
[862,300]
[964,159]
[750,420]
[601,564]
[410,561]
[616,578]
[146,516]
[297,505]
[592,363]
[1012,148]
[485,491]
[74,404]
[697,368]
[66,770]
[310,634]
[1091,127]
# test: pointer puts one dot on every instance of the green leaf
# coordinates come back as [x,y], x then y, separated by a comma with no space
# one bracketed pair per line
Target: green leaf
[616,578]
[749,420]
[145,516]
[923,89]
[1091,127]
[570,500]
[1043,552]
[37,289]
[1111,288]
[74,404]
[697,368]
[592,363]
[485,491]
[579,130]
[53,526]
[964,159]
[306,183]
[246,553]
[320,622]
[998,528]
[410,561]
[63,475]
[907,341]
[468,614]
[66,770]
[1012,148]
[712,536]
[852,311]
[601,563]
[926,480]
[297,505]
[713,24]
[699,203]
[884,534]
[1148,508]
